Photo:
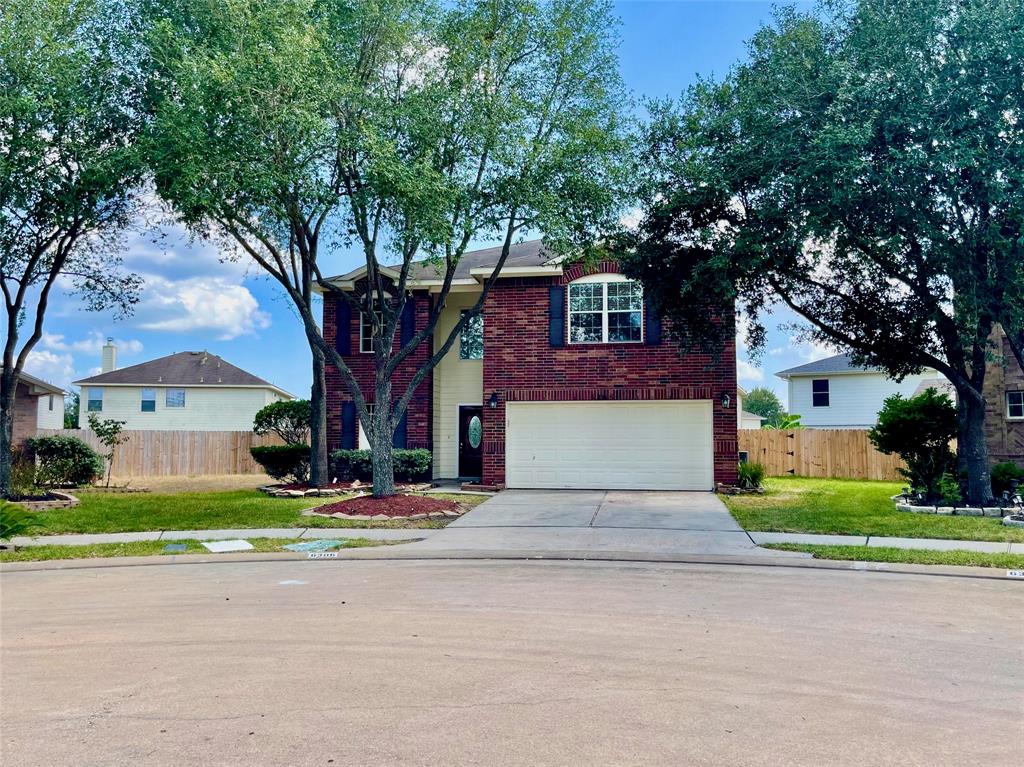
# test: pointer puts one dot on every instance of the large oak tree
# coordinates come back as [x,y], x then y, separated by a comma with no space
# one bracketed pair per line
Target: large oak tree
[405,129]
[865,167]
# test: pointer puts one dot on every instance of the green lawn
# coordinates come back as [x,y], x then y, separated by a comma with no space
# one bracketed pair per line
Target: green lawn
[907,556]
[848,507]
[149,548]
[131,512]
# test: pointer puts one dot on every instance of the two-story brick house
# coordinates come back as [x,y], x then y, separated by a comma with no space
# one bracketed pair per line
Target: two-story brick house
[1004,398]
[564,382]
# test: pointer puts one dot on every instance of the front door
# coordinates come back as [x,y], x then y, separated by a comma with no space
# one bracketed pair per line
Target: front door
[471,440]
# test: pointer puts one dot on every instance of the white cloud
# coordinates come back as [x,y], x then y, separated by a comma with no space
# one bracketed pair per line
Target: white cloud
[810,350]
[56,368]
[93,344]
[631,219]
[214,304]
[747,373]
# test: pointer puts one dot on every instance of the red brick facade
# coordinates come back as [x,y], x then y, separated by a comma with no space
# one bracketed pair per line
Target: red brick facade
[1005,436]
[418,424]
[26,413]
[521,365]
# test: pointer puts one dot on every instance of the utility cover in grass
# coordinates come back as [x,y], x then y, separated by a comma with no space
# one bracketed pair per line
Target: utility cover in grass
[218,547]
[175,548]
[317,545]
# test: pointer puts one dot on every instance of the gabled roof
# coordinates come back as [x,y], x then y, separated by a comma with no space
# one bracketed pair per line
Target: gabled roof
[840,363]
[473,266]
[40,384]
[182,369]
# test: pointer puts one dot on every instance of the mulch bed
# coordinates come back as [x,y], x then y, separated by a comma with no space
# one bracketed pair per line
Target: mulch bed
[395,506]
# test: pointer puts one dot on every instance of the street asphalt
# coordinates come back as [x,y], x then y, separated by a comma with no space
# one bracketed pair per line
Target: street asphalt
[507,663]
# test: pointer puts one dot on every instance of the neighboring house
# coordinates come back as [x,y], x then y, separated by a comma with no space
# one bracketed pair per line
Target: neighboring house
[564,382]
[834,393]
[1004,397]
[746,420]
[37,405]
[187,391]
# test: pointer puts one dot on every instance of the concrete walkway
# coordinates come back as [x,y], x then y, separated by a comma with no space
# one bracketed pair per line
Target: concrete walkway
[878,542]
[219,535]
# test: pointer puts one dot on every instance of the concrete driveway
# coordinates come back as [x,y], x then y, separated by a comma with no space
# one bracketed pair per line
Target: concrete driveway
[582,523]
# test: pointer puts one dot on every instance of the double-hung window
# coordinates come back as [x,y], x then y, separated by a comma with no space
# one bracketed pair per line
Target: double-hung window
[471,342]
[174,398]
[819,392]
[608,310]
[94,402]
[1015,404]
[366,331]
[148,404]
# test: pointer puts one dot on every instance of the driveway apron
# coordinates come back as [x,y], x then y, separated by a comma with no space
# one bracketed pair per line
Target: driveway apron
[581,523]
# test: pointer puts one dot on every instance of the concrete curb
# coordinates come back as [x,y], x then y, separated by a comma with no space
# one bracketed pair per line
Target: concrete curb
[407,555]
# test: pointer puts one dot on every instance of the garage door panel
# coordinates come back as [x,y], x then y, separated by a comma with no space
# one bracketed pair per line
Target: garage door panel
[630,445]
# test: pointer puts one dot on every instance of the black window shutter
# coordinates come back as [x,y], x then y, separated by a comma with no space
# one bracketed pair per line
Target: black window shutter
[348,426]
[343,328]
[399,439]
[408,320]
[556,315]
[652,325]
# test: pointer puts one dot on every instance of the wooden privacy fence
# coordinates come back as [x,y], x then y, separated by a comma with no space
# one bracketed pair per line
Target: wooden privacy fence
[837,453]
[178,453]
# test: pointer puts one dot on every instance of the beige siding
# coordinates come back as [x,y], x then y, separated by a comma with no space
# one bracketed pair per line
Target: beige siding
[854,398]
[456,382]
[206,408]
[50,419]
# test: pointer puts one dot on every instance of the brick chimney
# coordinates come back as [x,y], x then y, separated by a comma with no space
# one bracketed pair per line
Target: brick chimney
[109,356]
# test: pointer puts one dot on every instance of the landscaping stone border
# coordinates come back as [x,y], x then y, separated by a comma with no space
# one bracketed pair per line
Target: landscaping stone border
[278,491]
[62,501]
[902,504]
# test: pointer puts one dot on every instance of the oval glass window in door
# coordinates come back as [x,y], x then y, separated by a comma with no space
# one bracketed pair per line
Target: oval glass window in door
[476,432]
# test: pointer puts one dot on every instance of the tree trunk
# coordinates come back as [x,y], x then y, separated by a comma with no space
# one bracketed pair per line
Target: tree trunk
[972,447]
[319,474]
[381,441]
[8,385]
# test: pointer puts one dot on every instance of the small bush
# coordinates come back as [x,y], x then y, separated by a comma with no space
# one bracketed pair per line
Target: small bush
[287,419]
[65,461]
[750,475]
[23,476]
[1003,474]
[410,465]
[949,490]
[14,521]
[284,462]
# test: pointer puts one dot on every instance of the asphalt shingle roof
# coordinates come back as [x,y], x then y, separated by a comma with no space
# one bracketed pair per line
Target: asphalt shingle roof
[530,253]
[840,363]
[180,369]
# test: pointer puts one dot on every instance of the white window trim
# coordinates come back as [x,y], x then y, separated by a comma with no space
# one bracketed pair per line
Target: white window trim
[1014,417]
[142,398]
[184,392]
[362,320]
[604,278]
[89,398]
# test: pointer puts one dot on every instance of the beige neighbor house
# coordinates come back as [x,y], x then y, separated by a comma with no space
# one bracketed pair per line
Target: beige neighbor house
[37,405]
[186,391]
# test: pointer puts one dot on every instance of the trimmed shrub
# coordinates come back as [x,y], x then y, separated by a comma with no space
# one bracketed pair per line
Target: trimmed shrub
[65,461]
[288,419]
[284,462]
[14,520]
[1003,474]
[410,465]
[750,475]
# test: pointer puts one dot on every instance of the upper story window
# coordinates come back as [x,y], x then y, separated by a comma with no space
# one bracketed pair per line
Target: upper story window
[605,308]
[819,392]
[366,331]
[148,404]
[174,398]
[94,401]
[1015,404]
[471,342]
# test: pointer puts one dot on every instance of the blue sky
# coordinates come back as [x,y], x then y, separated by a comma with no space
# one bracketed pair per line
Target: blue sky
[193,301]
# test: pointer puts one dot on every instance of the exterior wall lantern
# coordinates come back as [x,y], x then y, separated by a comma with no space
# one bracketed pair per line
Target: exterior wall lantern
[726,400]
[492,403]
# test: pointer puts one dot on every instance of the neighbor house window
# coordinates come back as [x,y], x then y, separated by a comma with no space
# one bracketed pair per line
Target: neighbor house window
[95,400]
[605,310]
[366,331]
[819,392]
[51,402]
[174,398]
[1015,404]
[148,400]
[471,342]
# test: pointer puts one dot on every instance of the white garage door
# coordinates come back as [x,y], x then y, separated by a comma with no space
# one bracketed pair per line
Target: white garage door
[658,445]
